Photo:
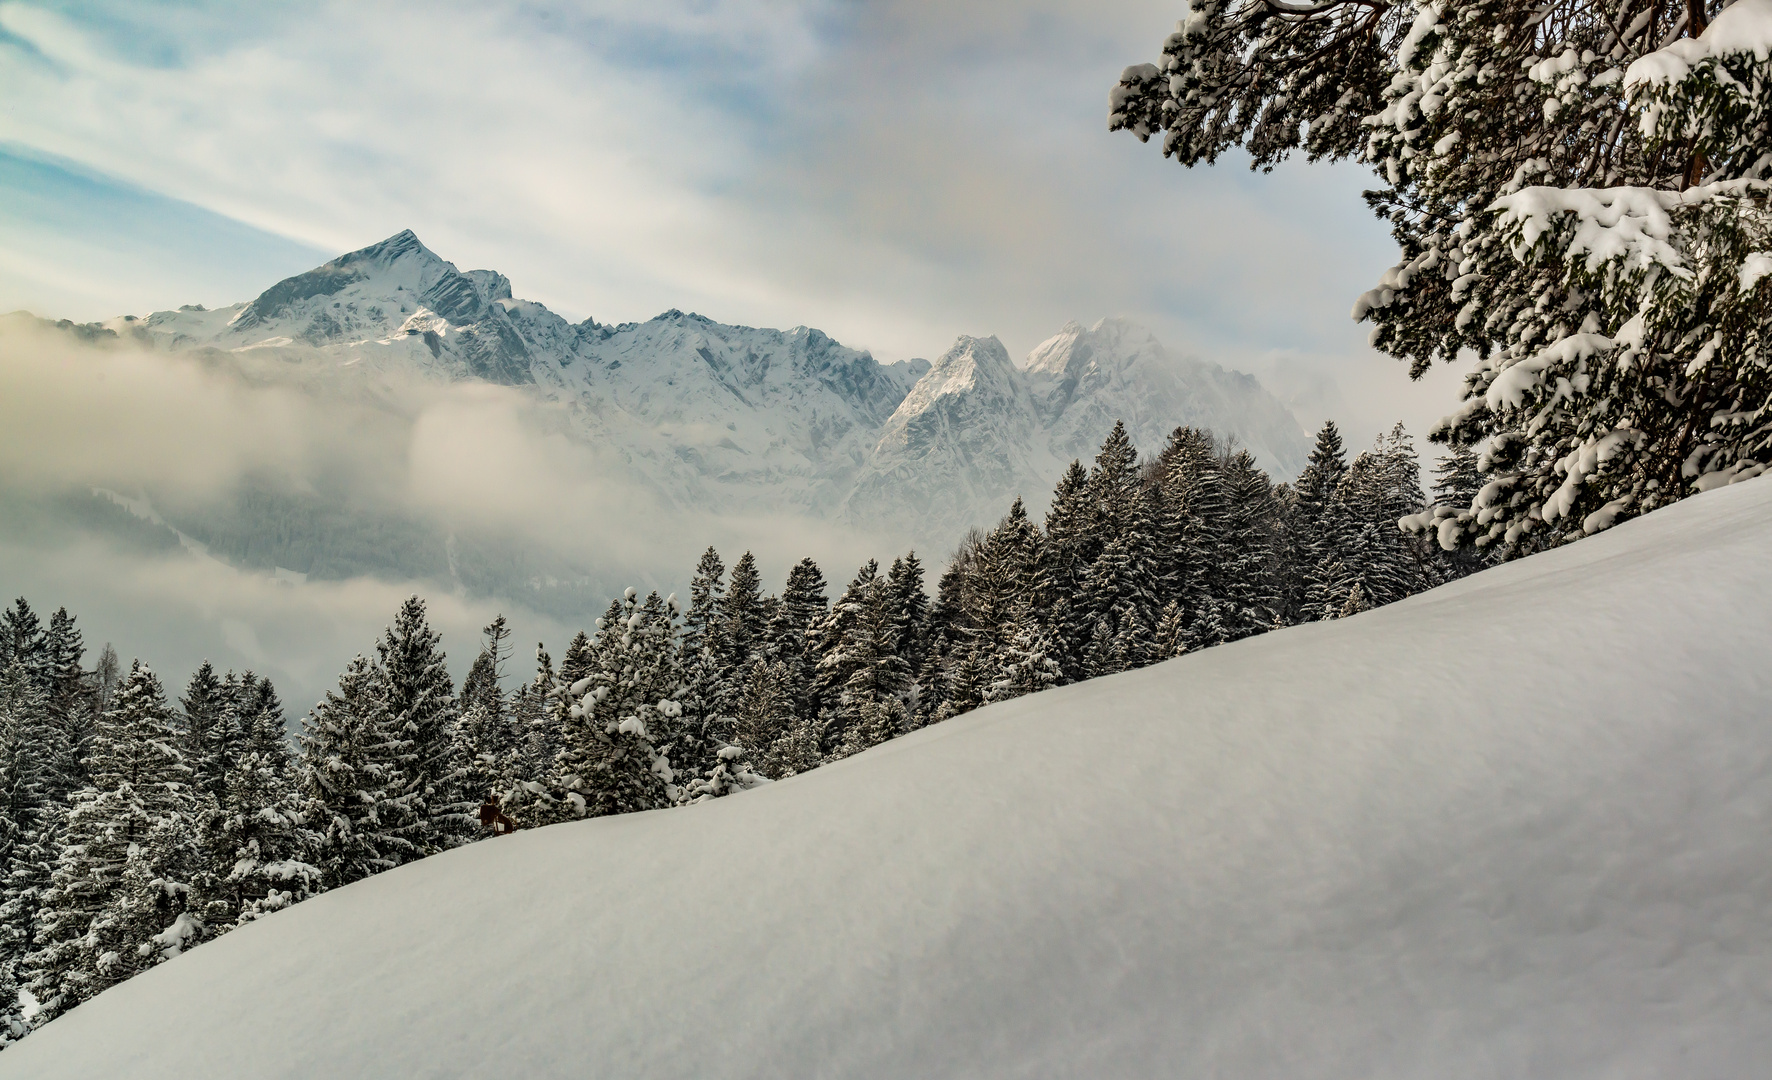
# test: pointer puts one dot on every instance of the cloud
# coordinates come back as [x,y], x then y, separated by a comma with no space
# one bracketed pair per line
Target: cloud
[480,498]
[896,172]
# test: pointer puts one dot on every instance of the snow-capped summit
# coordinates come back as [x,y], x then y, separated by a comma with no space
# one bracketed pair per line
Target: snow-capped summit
[1087,378]
[735,419]
[977,430]
[967,436]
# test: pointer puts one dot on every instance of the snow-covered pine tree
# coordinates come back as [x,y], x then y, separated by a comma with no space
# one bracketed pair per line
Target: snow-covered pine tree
[743,629]
[905,581]
[1171,634]
[1119,588]
[1206,629]
[802,609]
[609,763]
[532,714]
[419,700]
[828,654]
[871,704]
[116,899]
[1025,665]
[29,750]
[707,594]
[997,580]
[23,639]
[71,706]
[950,633]
[207,731]
[708,694]
[1196,523]
[968,679]
[1382,487]
[256,849]
[764,716]
[798,750]
[1133,637]
[489,738]
[107,676]
[1113,491]
[1065,554]
[346,776]
[1251,599]
[1579,195]
[1098,657]
[1314,534]
[1457,483]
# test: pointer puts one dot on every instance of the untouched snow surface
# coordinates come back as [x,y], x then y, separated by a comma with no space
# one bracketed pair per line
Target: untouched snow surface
[1520,826]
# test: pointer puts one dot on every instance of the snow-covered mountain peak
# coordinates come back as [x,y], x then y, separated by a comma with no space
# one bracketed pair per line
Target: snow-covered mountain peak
[401,263]
[973,365]
[739,419]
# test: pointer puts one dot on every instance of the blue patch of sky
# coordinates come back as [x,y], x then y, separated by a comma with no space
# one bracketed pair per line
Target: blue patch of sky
[164,33]
[58,212]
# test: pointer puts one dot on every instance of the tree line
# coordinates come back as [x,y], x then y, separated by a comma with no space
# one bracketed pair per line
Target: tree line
[133,827]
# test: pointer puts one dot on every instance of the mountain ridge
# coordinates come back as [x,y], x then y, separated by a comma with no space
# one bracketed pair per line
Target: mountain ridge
[740,420]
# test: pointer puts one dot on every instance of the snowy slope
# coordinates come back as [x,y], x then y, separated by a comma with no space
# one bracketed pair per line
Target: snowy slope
[1514,827]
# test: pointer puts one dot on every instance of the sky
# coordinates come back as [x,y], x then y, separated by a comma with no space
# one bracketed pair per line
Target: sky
[893,172]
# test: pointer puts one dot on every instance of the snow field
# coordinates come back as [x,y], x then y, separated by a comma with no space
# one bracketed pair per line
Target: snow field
[1513,827]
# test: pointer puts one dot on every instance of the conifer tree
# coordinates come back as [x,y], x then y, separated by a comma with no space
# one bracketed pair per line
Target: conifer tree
[968,680]
[831,660]
[22,639]
[348,778]
[1196,524]
[207,733]
[1064,557]
[71,706]
[534,717]
[1251,598]
[29,750]
[420,710]
[1171,638]
[1099,658]
[1315,536]
[792,632]
[763,716]
[997,577]
[256,848]
[905,582]
[742,624]
[1113,491]
[116,899]
[875,677]
[707,685]
[1131,646]
[1457,484]
[1524,154]
[798,749]
[703,620]
[1026,665]
[609,763]
[489,739]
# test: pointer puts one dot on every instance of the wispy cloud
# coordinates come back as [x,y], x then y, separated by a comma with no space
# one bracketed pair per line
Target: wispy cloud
[894,172]
[192,435]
